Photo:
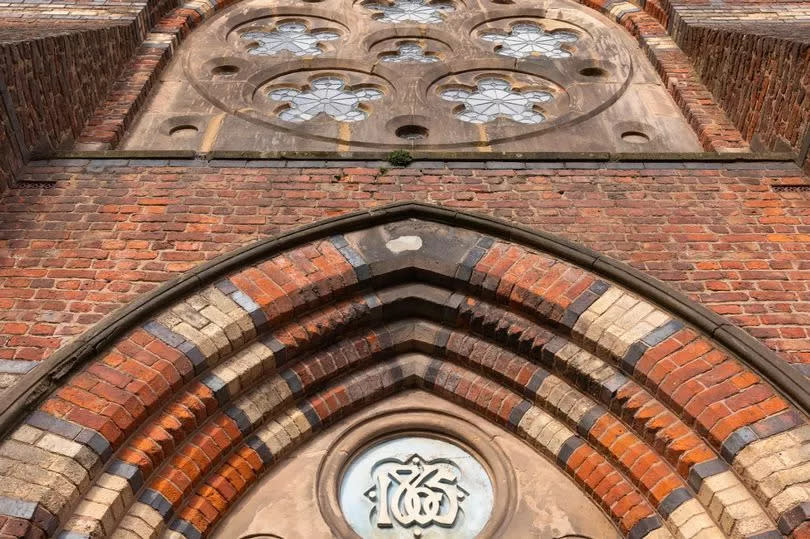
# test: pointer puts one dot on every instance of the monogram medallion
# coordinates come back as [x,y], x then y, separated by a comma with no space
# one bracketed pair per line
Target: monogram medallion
[416,487]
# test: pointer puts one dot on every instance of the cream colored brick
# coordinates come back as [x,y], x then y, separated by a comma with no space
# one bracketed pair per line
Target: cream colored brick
[787,499]
[300,421]
[749,519]
[218,337]
[582,406]
[604,302]
[526,421]
[229,376]
[118,485]
[684,512]
[137,526]
[208,348]
[96,511]
[123,533]
[27,434]
[630,336]
[558,440]
[227,324]
[85,526]
[714,484]
[696,524]
[657,318]
[232,309]
[190,315]
[151,517]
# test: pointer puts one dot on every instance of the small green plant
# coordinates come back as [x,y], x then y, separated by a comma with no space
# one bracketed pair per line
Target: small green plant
[400,158]
[383,171]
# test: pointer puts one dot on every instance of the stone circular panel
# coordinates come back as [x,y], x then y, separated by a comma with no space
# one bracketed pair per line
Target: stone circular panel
[416,474]
[416,486]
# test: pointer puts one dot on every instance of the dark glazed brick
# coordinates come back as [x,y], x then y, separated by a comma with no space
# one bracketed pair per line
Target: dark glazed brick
[535,382]
[793,518]
[354,258]
[293,381]
[610,386]
[567,449]
[311,415]
[632,356]
[643,527]
[96,442]
[242,422]
[158,502]
[164,334]
[278,349]
[226,287]
[770,534]
[185,528]
[47,422]
[777,423]
[660,334]
[129,472]
[518,412]
[701,471]
[217,387]
[256,444]
[673,501]
[736,441]
[589,419]
[194,355]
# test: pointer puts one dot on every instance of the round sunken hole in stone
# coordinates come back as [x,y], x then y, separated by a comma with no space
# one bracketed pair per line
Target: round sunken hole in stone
[592,72]
[635,137]
[412,132]
[225,71]
[183,131]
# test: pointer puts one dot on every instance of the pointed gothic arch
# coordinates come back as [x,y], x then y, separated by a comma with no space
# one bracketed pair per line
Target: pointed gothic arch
[160,417]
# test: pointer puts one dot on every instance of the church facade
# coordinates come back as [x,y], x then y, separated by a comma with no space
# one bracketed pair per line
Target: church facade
[405,269]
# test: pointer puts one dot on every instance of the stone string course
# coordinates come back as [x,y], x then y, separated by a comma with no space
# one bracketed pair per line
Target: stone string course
[247,369]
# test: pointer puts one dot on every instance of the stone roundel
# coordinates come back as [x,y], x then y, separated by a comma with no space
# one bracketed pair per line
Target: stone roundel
[416,473]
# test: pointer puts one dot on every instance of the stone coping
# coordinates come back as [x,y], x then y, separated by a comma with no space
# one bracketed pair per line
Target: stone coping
[40,381]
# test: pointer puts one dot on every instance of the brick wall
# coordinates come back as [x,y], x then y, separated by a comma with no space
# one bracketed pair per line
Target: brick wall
[54,77]
[111,230]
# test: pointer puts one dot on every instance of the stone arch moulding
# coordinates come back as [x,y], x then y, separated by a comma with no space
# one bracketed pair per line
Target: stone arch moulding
[160,417]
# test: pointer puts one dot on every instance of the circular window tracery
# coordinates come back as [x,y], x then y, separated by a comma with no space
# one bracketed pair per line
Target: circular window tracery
[327,96]
[416,11]
[289,36]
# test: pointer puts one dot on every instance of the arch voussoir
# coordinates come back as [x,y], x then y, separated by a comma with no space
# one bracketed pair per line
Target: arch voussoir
[143,429]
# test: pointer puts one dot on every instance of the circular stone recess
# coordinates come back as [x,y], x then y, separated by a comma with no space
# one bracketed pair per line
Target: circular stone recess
[416,486]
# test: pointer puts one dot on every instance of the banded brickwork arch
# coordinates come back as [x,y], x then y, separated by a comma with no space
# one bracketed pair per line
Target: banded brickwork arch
[155,422]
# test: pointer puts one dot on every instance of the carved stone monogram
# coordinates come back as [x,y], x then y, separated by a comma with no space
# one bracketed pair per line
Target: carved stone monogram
[416,486]
[415,492]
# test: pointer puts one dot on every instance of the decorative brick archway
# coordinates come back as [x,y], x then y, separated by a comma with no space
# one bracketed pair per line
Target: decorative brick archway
[672,420]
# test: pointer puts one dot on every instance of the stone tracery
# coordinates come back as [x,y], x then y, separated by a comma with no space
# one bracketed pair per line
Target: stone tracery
[289,37]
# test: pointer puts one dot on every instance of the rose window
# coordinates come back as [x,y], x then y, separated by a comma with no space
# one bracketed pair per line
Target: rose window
[494,98]
[327,96]
[418,11]
[292,37]
[526,40]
